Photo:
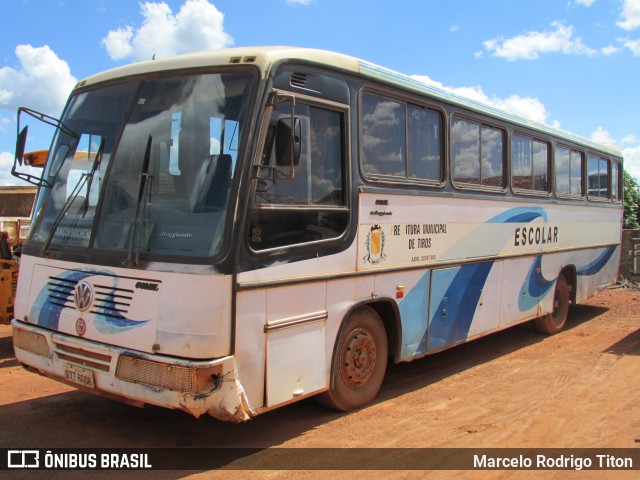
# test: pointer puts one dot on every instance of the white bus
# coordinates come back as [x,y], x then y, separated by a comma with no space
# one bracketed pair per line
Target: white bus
[228,232]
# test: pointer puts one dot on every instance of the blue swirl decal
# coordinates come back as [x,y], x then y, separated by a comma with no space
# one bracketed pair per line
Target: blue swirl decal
[47,307]
[534,287]
[520,215]
[598,264]
[57,295]
[455,293]
[451,318]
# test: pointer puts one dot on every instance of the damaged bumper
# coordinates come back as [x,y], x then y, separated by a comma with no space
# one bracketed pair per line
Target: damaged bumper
[197,387]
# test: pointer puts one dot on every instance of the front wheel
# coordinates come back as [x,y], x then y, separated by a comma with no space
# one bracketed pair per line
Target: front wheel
[359,361]
[554,322]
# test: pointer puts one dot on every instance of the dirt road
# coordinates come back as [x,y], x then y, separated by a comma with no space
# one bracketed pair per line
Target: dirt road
[517,388]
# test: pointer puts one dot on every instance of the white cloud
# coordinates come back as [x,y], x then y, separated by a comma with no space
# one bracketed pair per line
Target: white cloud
[6,164]
[531,45]
[42,82]
[4,124]
[633,45]
[630,15]
[196,26]
[610,50]
[603,137]
[299,2]
[527,107]
[585,3]
[632,160]
[631,155]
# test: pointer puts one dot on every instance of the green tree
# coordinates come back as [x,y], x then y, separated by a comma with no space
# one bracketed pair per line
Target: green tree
[631,218]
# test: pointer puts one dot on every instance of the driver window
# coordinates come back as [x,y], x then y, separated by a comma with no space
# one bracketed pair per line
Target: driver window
[318,176]
[312,205]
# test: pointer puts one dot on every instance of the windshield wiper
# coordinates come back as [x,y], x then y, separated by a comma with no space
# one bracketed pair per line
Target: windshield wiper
[141,208]
[85,180]
[94,168]
[65,208]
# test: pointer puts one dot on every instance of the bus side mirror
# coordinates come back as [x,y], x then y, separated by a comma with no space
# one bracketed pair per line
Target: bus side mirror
[288,142]
[21,141]
[18,161]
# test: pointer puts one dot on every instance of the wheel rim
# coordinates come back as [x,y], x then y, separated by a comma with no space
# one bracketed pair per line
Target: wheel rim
[556,316]
[560,303]
[358,359]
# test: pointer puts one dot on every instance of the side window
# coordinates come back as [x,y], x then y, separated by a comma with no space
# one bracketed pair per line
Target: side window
[477,154]
[575,171]
[530,164]
[465,155]
[598,177]
[615,182]
[425,144]
[492,157]
[383,136]
[568,167]
[400,140]
[311,206]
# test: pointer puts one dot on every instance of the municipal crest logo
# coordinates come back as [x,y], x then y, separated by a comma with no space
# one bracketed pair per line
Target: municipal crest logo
[375,246]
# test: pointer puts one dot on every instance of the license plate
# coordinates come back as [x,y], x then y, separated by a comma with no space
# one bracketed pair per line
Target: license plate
[79,375]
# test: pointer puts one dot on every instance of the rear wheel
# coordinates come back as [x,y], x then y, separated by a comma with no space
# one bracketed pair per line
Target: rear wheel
[359,361]
[554,321]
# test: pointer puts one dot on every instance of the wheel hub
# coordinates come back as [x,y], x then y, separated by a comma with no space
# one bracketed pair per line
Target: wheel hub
[358,358]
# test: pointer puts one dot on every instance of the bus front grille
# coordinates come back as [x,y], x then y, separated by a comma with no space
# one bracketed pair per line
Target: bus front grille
[84,357]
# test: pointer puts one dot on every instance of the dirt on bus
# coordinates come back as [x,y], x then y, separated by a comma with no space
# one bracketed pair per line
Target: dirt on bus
[517,388]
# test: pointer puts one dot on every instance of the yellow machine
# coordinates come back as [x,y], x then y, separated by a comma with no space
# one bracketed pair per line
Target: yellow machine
[15,219]
[8,282]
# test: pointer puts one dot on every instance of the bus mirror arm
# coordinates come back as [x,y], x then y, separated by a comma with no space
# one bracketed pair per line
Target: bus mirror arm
[21,142]
[288,137]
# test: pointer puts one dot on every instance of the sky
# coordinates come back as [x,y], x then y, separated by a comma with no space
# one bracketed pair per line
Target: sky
[573,64]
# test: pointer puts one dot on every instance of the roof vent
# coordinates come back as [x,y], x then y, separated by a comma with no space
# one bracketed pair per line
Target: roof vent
[298,80]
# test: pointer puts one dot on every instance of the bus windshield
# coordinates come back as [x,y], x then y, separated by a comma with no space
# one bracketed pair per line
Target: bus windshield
[149,170]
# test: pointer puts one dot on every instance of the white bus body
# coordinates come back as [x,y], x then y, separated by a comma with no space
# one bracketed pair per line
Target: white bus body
[287,286]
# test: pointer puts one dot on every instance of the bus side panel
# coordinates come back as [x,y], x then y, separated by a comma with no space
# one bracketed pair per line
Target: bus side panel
[342,296]
[280,342]
[295,338]
[522,290]
[464,303]
[596,269]
[251,308]
[411,289]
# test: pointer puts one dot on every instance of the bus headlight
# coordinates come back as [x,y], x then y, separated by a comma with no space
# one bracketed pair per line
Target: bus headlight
[31,342]
[177,378]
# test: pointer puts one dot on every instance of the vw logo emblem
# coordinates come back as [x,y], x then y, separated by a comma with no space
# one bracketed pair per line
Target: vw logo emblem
[83,296]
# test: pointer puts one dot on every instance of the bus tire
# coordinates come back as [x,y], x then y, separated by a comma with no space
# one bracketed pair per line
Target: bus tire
[359,362]
[554,322]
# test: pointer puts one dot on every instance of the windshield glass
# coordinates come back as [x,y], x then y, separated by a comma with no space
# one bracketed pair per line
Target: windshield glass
[157,183]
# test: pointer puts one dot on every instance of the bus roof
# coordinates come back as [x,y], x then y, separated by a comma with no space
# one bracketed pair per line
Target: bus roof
[265,57]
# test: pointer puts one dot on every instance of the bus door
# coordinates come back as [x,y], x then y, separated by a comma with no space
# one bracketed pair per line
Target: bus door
[297,220]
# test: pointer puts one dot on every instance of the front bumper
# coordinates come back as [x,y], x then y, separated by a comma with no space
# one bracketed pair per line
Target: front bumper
[137,378]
